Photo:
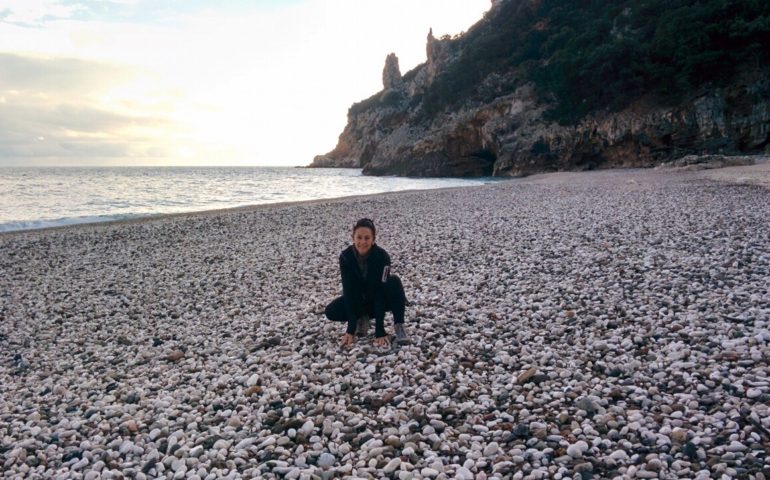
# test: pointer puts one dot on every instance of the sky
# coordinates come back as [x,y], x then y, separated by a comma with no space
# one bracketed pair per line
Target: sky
[194,82]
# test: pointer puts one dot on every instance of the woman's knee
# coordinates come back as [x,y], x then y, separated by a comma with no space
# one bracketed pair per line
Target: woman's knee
[394,288]
[394,283]
[335,311]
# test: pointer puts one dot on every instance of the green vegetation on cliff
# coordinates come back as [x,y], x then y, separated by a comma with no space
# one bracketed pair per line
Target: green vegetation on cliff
[590,55]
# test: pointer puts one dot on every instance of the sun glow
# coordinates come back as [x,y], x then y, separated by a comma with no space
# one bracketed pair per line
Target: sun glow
[266,86]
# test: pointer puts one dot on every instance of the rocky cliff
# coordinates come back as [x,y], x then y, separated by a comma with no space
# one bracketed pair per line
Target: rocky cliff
[506,125]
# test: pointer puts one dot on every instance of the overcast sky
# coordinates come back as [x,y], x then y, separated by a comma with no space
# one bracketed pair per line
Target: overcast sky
[189,82]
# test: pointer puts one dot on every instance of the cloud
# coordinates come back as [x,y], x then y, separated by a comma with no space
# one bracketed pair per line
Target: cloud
[236,82]
[60,108]
[58,74]
[37,12]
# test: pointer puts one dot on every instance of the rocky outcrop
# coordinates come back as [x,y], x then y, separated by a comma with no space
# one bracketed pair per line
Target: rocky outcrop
[391,74]
[733,120]
[509,137]
[510,134]
[707,162]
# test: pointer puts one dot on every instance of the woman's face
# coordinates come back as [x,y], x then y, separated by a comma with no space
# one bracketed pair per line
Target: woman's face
[363,239]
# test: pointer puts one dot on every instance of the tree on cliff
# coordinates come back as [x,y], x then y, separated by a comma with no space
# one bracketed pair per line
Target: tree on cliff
[589,55]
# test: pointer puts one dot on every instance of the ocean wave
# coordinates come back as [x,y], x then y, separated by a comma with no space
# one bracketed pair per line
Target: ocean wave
[46,197]
[63,222]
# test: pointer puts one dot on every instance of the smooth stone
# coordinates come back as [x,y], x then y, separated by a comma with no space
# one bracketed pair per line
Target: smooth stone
[690,450]
[588,405]
[619,455]
[679,435]
[131,426]
[577,449]
[463,473]
[429,472]
[126,447]
[326,460]
[392,465]
[393,441]
[491,449]
[736,447]
[307,428]
[526,376]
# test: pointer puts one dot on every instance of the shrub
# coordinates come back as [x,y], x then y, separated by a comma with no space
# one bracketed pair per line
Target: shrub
[588,55]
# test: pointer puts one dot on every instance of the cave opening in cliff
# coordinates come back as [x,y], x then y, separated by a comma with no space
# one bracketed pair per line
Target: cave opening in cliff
[485,154]
[487,159]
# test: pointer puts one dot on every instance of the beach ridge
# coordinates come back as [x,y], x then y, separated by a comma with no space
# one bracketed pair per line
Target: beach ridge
[605,324]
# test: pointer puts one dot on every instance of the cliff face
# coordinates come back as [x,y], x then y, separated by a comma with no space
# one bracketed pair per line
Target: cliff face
[509,132]
[731,120]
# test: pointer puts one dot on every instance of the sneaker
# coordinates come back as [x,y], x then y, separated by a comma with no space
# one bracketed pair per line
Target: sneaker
[363,326]
[401,336]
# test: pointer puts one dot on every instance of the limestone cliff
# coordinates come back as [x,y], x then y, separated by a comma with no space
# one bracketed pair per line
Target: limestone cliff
[506,125]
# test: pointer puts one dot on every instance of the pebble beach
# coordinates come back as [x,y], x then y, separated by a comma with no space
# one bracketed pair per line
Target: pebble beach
[608,324]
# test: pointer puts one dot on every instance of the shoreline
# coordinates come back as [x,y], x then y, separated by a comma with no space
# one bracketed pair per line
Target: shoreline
[727,174]
[40,199]
[220,211]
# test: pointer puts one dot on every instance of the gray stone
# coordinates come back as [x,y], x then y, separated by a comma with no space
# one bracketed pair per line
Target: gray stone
[326,460]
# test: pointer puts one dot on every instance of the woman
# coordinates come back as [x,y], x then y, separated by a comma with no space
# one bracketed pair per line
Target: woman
[368,289]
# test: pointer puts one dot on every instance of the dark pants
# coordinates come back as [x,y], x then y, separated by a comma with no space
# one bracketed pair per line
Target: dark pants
[395,301]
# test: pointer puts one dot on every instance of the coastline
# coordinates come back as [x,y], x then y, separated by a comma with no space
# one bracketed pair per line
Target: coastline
[756,174]
[612,322]
[37,198]
[218,211]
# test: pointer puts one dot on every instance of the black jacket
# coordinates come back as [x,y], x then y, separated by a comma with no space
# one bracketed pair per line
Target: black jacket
[365,295]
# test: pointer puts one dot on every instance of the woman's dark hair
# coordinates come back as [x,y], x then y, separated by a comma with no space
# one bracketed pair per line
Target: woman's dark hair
[365,222]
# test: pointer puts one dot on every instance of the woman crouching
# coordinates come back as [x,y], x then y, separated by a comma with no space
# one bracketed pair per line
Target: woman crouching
[368,289]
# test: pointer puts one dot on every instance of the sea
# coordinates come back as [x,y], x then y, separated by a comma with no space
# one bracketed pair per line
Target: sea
[41,197]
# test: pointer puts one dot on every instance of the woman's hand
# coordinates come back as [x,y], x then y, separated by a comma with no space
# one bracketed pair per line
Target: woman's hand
[382,341]
[347,339]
